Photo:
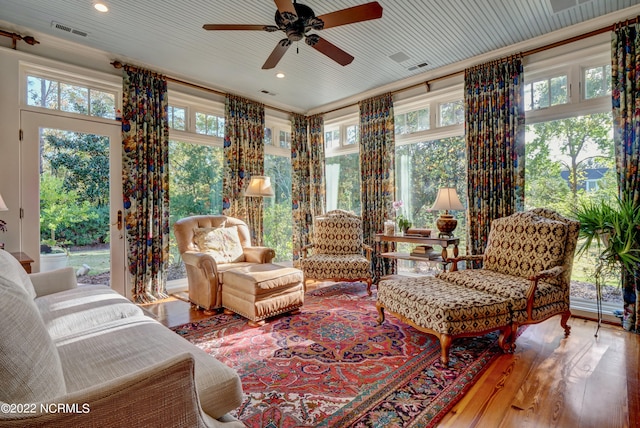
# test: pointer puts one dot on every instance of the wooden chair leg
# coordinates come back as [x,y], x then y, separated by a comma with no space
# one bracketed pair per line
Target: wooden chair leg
[563,322]
[380,309]
[505,340]
[445,345]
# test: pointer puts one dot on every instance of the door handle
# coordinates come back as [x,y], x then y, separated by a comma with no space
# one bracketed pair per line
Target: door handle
[118,222]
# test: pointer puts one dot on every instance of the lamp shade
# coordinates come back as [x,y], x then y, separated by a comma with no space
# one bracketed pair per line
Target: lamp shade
[447,199]
[3,206]
[259,185]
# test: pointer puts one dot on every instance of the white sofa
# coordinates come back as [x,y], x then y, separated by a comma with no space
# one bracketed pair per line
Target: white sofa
[86,356]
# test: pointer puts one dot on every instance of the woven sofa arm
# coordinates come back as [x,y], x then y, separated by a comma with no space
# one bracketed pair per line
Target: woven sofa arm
[259,254]
[162,395]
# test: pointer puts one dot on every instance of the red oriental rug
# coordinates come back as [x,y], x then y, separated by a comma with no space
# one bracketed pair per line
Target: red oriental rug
[333,365]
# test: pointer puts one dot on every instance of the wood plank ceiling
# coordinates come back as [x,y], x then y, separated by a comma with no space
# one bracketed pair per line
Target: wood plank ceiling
[167,36]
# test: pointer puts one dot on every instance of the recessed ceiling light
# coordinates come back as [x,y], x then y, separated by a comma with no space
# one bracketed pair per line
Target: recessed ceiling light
[280,75]
[101,7]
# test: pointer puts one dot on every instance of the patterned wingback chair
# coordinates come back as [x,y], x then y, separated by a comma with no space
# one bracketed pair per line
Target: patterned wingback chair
[338,250]
[528,258]
[210,245]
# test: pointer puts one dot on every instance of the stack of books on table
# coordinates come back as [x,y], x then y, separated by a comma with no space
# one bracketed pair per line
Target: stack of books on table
[425,251]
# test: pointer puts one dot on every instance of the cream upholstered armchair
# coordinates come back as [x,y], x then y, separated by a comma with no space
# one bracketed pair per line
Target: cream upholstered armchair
[209,246]
[338,250]
[528,258]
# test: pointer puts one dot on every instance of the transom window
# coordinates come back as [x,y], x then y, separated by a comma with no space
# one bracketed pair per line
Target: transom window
[546,92]
[597,81]
[451,113]
[209,124]
[68,97]
[413,121]
[177,118]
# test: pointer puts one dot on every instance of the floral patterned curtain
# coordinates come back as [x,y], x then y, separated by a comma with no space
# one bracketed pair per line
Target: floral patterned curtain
[317,191]
[625,76]
[307,181]
[243,157]
[145,142]
[300,185]
[494,125]
[377,168]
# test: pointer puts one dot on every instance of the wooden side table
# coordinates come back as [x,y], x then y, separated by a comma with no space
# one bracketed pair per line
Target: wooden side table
[24,260]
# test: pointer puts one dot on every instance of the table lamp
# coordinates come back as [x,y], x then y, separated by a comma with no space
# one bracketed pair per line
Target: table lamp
[446,200]
[260,186]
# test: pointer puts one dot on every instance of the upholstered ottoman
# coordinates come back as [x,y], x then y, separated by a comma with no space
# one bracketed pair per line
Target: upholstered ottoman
[444,309]
[261,291]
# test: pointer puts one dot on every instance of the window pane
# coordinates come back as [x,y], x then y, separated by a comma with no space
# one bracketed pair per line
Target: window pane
[74,99]
[559,90]
[343,182]
[195,187]
[353,134]
[528,102]
[451,113]
[268,139]
[42,92]
[424,121]
[220,127]
[541,94]
[177,118]
[597,82]
[103,104]
[201,123]
[332,138]
[285,139]
[209,120]
[400,123]
[570,161]
[278,217]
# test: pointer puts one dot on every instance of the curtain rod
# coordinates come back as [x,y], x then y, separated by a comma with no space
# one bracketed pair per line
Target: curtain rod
[523,54]
[118,65]
[15,37]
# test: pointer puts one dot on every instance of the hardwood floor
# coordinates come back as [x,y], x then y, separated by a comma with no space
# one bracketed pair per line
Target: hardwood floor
[582,381]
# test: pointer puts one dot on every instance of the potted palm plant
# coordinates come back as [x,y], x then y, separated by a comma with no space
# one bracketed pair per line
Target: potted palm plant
[612,229]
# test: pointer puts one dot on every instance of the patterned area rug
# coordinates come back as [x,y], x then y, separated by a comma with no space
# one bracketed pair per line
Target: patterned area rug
[333,365]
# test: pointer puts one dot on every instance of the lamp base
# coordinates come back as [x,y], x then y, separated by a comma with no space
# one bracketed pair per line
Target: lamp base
[446,224]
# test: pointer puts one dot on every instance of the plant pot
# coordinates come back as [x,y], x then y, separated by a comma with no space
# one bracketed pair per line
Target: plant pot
[52,261]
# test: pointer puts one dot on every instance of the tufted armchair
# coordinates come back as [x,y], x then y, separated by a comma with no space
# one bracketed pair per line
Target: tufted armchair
[210,245]
[338,253]
[528,259]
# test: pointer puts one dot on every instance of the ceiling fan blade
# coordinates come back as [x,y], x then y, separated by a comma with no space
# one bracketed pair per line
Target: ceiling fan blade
[350,15]
[286,9]
[235,27]
[332,51]
[277,54]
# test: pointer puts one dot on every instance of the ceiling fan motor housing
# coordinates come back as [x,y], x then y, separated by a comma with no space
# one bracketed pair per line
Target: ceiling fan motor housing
[295,27]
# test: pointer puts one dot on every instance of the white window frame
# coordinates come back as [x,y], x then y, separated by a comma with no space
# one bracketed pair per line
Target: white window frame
[342,123]
[71,75]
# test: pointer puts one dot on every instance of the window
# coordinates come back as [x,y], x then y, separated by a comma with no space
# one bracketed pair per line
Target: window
[268,136]
[177,117]
[353,135]
[285,139]
[569,161]
[332,137]
[413,121]
[209,124]
[342,177]
[451,113]
[68,97]
[424,167]
[278,216]
[546,92]
[195,187]
[597,81]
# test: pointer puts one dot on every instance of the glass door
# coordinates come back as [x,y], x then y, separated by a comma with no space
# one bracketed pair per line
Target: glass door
[71,194]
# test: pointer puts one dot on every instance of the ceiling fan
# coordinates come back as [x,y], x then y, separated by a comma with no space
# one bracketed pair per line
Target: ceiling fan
[296,20]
